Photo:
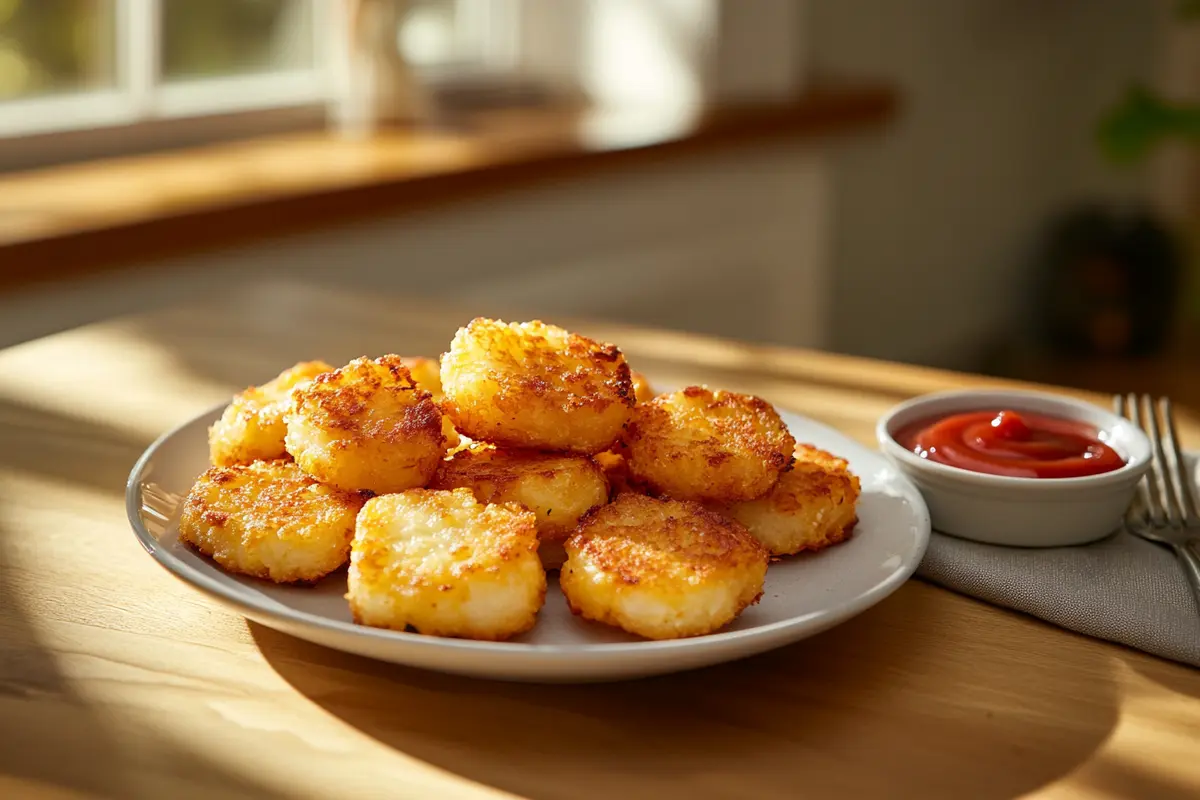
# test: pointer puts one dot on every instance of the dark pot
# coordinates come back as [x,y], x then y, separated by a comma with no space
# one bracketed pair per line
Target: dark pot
[1109,283]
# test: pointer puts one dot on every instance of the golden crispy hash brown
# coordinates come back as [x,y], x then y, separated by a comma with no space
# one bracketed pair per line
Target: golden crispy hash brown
[252,427]
[444,564]
[269,520]
[426,372]
[643,392]
[698,444]
[616,469]
[366,426]
[537,386]
[557,488]
[661,568]
[812,506]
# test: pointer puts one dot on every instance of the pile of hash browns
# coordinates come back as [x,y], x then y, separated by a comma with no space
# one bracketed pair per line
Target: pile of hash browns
[452,488]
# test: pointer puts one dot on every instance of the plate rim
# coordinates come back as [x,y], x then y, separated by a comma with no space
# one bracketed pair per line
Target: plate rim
[608,650]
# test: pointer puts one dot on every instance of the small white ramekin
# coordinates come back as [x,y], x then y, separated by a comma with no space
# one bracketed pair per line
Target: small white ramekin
[1022,512]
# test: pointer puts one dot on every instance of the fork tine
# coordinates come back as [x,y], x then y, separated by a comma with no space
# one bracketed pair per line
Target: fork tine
[1153,495]
[1173,510]
[1184,483]
[1139,510]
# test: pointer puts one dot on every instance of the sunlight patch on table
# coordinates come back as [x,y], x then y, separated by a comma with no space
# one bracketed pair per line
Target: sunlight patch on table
[102,378]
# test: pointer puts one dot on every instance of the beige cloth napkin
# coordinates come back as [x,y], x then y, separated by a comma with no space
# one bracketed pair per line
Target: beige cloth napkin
[1123,588]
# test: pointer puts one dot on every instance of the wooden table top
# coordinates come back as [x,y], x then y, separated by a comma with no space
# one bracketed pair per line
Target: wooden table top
[117,680]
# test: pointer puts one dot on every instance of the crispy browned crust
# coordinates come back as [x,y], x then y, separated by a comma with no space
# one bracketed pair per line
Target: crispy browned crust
[702,445]
[426,373]
[499,469]
[585,392]
[252,427]
[558,488]
[426,630]
[342,401]
[815,475]
[840,535]
[699,542]
[533,385]
[661,569]
[486,540]
[807,508]
[500,533]
[643,392]
[245,500]
[616,469]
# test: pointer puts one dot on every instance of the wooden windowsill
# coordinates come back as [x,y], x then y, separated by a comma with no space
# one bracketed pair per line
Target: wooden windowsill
[66,221]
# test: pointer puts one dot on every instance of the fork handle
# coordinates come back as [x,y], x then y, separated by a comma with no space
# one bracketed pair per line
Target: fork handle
[1189,557]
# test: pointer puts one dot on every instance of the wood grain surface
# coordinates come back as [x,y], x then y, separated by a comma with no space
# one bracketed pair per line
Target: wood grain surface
[116,680]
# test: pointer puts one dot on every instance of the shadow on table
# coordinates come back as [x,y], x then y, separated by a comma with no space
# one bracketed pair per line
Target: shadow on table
[83,453]
[838,715]
[1178,678]
[1116,777]
[41,717]
[51,734]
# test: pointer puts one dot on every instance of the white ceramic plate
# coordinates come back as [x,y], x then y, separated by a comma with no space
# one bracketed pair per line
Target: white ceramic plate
[803,595]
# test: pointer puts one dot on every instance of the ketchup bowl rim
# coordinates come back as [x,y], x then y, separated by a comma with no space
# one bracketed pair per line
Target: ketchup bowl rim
[1137,458]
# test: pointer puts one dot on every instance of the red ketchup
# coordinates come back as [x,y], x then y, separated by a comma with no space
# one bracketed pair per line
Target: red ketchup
[1017,445]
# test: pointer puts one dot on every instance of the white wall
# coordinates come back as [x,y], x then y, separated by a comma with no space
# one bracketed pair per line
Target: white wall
[730,244]
[1000,99]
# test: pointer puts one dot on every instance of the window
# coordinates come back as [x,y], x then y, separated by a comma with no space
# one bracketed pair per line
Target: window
[459,34]
[72,65]
[205,39]
[91,78]
[54,46]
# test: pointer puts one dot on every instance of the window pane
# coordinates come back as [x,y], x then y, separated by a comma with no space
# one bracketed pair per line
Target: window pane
[430,32]
[49,46]
[207,38]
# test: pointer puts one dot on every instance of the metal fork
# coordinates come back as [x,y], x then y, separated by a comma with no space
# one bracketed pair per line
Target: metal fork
[1165,509]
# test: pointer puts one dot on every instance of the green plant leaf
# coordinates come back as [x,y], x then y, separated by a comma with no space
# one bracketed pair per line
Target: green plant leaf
[1142,121]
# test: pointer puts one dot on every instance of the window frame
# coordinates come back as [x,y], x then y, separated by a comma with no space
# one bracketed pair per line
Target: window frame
[141,95]
[143,109]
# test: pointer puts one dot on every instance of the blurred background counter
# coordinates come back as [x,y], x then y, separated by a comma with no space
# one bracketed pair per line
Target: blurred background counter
[874,178]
